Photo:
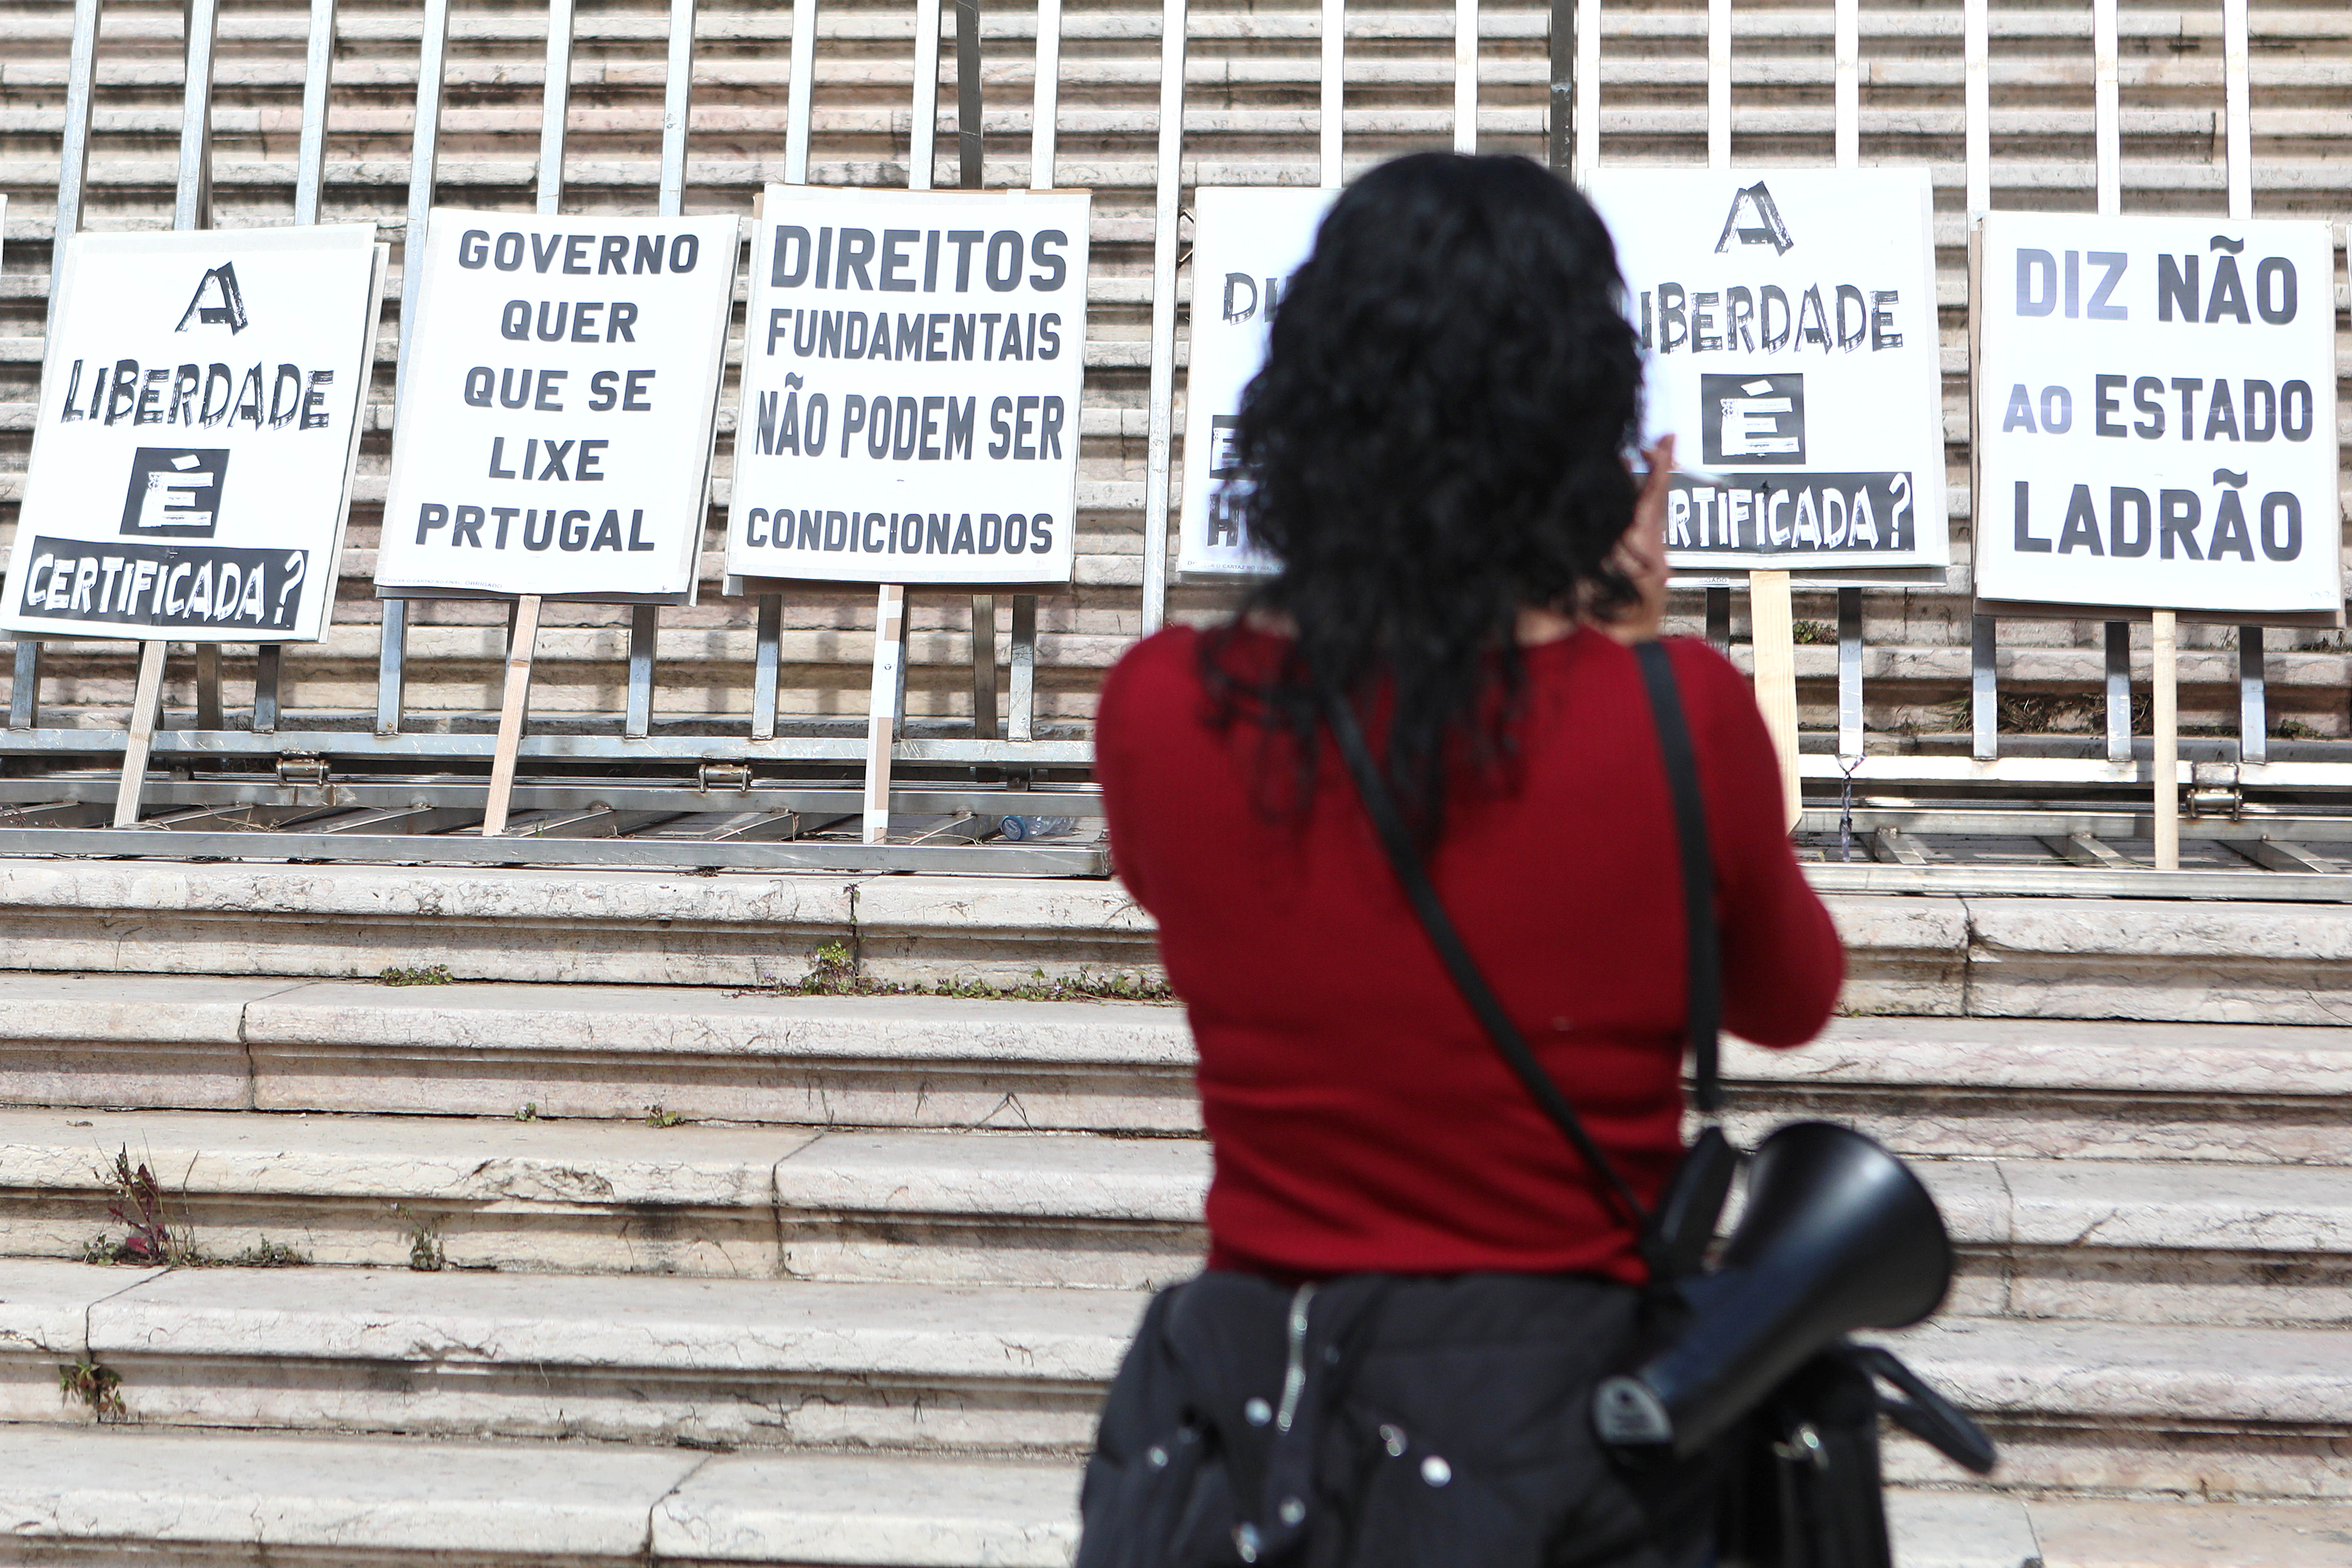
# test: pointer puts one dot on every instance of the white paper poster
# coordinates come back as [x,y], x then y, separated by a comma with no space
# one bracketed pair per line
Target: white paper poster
[197,425]
[1246,244]
[2156,413]
[556,420]
[1788,322]
[912,363]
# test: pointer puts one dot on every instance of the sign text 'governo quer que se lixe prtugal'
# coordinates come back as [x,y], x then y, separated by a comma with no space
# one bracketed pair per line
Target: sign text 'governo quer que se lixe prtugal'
[1788,327]
[2156,414]
[912,363]
[558,411]
[197,427]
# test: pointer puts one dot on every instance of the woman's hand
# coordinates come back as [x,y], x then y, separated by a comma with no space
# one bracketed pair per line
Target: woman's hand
[1641,555]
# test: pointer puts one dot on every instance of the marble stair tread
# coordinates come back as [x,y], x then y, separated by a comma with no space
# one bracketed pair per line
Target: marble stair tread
[637,1322]
[2076,1055]
[615,1323]
[2133,1533]
[501,1160]
[175,1493]
[510,1166]
[153,1495]
[2194,1373]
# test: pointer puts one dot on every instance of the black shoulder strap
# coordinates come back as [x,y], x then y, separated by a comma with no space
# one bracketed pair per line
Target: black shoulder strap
[1381,806]
[1704,959]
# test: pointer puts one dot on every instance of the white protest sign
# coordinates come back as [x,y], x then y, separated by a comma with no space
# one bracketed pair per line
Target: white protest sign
[1246,244]
[2156,413]
[1788,322]
[556,417]
[912,363]
[197,425]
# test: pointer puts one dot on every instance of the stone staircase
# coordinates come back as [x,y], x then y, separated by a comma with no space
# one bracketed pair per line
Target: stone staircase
[673,1263]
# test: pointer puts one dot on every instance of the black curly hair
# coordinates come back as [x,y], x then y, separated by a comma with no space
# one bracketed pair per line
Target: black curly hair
[1434,442]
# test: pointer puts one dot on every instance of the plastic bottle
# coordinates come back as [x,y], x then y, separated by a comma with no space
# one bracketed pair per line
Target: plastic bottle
[1017,829]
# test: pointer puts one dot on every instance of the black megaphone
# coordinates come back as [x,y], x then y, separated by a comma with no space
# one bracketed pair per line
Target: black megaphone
[1837,1234]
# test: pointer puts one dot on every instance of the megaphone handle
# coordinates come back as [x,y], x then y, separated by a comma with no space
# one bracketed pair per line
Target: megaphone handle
[1927,1415]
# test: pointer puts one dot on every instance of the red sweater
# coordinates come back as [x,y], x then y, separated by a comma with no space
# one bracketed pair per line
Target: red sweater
[1360,1118]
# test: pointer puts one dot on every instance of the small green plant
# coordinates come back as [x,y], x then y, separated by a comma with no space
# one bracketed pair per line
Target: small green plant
[656,1117]
[1812,632]
[99,1388]
[139,1208]
[834,971]
[2295,730]
[431,974]
[424,1251]
[262,1254]
[530,1111]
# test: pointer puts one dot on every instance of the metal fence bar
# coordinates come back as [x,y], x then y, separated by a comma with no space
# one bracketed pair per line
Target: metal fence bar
[1975,93]
[73,170]
[2118,687]
[1719,84]
[1846,69]
[1331,117]
[1588,87]
[678,108]
[971,173]
[424,168]
[554,104]
[767,654]
[1164,314]
[1465,76]
[318,77]
[1984,695]
[1020,699]
[2238,144]
[309,180]
[1045,100]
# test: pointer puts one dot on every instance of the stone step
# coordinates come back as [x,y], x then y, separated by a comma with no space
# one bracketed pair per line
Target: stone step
[1971,1087]
[2082,1407]
[1915,955]
[757,1203]
[2143,1240]
[177,1498]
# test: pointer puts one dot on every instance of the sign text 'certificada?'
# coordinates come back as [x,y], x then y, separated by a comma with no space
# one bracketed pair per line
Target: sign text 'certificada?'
[912,363]
[1788,326]
[197,425]
[556,419]
[2156,413]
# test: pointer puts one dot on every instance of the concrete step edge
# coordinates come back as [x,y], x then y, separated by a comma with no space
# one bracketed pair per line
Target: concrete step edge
[1027,1177]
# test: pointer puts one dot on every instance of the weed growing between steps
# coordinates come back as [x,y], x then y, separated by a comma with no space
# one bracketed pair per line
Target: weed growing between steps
[431,974]
[141,1208]
[99,1387]
[424,1252]
[835,972]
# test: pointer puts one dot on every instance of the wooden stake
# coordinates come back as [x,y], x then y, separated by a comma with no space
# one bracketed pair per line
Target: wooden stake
[882,711]
[2163,678]
[522,641]
[1772,632]
[145,704]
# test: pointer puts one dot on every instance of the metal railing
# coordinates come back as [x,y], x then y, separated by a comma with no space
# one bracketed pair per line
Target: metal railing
[782,781]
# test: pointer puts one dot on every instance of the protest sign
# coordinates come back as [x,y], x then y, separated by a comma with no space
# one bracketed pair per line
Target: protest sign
[1246,244]
[912,363]
[1788,325]
[197,425]
[556,418]
[2156,413]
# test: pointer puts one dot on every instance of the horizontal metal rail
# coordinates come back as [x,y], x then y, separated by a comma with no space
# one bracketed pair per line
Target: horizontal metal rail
[522,849]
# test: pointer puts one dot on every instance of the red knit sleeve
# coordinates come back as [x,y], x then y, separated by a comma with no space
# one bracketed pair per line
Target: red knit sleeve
[1128,687]
[1782,963]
